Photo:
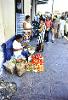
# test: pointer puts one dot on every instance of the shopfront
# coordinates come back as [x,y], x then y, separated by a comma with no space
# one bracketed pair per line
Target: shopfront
[8,10]
[7,19]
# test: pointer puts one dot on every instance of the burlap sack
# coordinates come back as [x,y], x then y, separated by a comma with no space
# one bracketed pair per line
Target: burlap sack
[31,49]
[10,66]
[20,68]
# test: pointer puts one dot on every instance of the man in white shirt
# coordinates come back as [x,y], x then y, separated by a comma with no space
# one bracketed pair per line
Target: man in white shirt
[62,25]
[17,48]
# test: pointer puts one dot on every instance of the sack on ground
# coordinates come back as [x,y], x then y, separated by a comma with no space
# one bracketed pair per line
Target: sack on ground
[31,49]
[40,47]
[10,66]
[20,68]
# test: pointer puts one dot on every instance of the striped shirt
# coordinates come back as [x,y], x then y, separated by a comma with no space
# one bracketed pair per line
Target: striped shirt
[40,38]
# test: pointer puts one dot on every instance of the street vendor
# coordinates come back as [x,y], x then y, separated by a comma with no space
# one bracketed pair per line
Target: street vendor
[17,48]
[27,27]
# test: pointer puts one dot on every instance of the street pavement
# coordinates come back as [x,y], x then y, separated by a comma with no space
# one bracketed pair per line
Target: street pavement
[52,84]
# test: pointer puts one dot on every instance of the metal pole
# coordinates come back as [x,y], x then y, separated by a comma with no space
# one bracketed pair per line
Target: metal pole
[52,7]
[35,7]
[22,2]
[23,6]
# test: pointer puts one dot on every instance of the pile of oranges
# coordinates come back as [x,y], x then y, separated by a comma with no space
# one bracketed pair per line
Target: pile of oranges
[38,61]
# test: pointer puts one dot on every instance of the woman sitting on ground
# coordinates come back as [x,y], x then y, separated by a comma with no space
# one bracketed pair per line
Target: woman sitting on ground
[18,49]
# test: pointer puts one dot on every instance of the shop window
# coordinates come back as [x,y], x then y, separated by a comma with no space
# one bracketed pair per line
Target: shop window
[18,6]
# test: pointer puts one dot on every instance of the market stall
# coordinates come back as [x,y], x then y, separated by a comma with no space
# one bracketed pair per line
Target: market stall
[20,66]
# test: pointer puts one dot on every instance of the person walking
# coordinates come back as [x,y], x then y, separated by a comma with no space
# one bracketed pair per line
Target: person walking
[48,24]
[66,26]
[62,25]
[54,29]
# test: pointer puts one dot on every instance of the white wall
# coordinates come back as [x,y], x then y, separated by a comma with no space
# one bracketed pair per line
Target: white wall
[7,19]
[1,26]
[42,8]
[8,15]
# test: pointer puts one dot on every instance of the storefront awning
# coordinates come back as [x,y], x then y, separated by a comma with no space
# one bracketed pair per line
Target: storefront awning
[42,1]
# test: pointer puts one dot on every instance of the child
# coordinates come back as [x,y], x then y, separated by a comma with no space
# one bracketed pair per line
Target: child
[40,40]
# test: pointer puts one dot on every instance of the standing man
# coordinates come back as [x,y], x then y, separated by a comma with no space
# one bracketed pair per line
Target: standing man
[54,29]
[48,24]
[62,25]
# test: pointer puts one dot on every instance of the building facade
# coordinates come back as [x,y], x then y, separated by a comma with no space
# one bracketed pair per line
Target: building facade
[8,17]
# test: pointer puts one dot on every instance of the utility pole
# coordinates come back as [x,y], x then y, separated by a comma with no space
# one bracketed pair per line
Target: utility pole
[52,7]
[33,8]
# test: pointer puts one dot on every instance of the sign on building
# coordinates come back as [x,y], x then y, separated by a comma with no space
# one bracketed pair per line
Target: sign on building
[19,23]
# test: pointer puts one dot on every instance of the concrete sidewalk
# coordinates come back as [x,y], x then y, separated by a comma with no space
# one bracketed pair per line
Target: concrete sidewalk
[52,84]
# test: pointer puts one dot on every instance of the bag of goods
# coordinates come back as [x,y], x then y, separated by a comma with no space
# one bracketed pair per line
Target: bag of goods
[21,68]
[29,58]
[31,49]
[30,66]
[10,65]
[40,47]
[25,44]
[19,60]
